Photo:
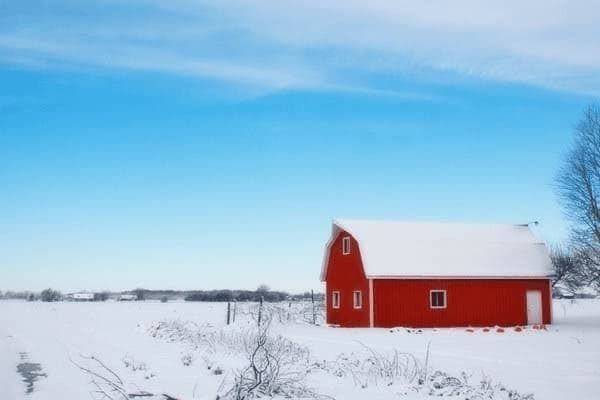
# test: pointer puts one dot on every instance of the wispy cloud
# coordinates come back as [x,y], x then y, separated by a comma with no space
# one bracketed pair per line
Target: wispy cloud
[144,57]
[314,44]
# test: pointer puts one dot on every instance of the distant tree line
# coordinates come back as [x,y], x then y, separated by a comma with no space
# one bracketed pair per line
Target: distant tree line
[577,263]
[101,296]
[238,295]
[24,295]
[263,291]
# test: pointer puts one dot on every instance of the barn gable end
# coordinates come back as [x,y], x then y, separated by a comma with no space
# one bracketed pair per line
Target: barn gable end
[345,275]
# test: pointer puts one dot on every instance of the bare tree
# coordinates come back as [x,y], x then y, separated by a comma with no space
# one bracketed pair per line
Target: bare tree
[589,259]
[277,369]
[262,288]
[579,189]
[568,269]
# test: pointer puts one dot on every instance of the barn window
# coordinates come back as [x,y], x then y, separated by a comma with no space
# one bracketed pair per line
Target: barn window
[346,245]
[335,299]
[437,299]
[357,299]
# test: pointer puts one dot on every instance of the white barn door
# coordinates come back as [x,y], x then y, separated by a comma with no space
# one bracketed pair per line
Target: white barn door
[534,307]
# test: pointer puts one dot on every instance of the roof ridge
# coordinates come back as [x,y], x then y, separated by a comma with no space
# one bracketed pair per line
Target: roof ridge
[408,221]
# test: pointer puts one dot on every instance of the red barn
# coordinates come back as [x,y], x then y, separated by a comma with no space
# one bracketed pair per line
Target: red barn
[386,274]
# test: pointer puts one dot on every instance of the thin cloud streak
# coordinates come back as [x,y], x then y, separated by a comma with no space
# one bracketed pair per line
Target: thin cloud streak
[313,44]
[41,54]
[141,58]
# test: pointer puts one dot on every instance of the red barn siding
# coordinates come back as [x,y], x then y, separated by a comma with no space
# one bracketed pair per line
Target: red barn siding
[405,302]
[345,274]
[470,302]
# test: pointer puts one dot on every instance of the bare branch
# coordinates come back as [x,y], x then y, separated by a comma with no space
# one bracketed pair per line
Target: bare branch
[578,185]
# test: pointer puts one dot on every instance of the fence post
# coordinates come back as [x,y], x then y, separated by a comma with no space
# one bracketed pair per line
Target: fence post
[312,299]
[228,312]
[260,306]
[234,309]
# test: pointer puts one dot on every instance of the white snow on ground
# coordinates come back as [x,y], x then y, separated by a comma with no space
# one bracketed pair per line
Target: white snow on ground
[562,362]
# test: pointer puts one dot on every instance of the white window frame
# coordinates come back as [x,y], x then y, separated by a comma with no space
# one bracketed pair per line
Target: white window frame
[346,245]
[335,304]
[431,298]
[354,297]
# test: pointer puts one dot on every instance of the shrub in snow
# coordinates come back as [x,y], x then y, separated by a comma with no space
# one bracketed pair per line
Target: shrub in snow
[406,371]
[303,312]
[276,367]
[260,364]
[108,385]
[187,359]
[185,332]
[266,365]
[442,384]
[375,368]
[130,363]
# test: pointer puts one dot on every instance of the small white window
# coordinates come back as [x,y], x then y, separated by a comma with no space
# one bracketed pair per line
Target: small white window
[437,299]
[357,299]
[335,299]
[346,245]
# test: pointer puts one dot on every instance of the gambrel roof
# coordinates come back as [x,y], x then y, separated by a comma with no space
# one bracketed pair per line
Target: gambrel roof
[432,249]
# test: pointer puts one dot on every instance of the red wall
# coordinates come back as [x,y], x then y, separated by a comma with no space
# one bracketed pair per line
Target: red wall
[470,302]
[405,302]
[345,274]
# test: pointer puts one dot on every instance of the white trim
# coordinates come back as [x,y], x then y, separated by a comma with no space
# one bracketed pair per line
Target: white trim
[478,277]
[339,299]
[346,249]
[445,299]
[551,302]
[371,307]
[354,302]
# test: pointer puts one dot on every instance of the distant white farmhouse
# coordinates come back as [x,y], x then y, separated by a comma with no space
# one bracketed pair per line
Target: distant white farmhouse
[80,296]
[127,297]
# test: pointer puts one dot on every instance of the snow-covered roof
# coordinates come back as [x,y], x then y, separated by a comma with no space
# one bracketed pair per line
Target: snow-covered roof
[433,249]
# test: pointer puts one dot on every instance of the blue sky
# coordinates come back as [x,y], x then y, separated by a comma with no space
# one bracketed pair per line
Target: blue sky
[205,145]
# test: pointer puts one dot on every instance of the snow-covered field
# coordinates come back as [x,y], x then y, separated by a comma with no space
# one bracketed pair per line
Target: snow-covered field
[562,362]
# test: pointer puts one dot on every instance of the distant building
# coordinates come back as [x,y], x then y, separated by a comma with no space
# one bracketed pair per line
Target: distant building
[127,297]
[80,297]
[386,274]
